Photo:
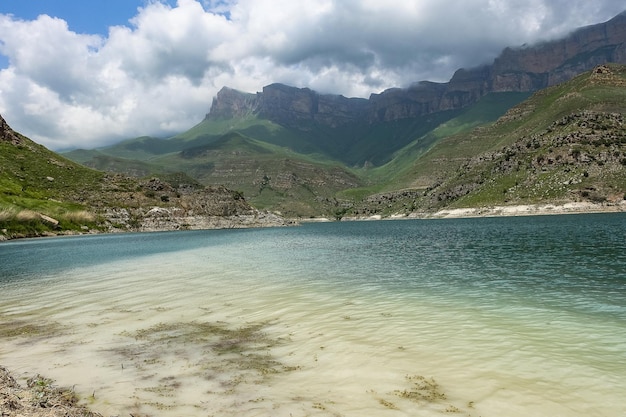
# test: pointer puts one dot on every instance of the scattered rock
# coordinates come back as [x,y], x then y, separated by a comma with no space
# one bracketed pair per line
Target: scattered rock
[49,220]
[602,69]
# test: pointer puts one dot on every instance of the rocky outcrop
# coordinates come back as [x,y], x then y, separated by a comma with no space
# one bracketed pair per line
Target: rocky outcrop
[289,106]
[523,69]
[161,207]
[175,218]
[558,61]
[230,103]
[294,107]
[7,134]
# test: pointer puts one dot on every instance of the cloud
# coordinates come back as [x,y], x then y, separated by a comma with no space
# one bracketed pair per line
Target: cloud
[157,75]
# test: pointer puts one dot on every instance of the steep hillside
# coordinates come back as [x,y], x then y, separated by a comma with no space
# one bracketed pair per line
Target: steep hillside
[44,193]
[566,143]
[40,191]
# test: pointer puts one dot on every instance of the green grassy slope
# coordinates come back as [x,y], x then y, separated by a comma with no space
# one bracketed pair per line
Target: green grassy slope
[256,156]
[133,167]
[44,193]
[398,173]
[353,145]
[39,188]
[264,130]
[565,143]
[485,111]
[268,175]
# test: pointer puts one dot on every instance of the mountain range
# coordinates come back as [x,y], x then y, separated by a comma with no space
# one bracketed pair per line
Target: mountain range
[541,124]
[524,69]
[302,153]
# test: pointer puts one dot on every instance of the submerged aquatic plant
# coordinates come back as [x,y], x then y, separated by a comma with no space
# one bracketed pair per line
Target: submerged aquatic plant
[10,328]
[240,354]
[422,389]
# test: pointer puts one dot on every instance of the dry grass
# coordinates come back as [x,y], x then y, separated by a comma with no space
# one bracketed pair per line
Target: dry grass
[80,217]
[7,215]
[27,216]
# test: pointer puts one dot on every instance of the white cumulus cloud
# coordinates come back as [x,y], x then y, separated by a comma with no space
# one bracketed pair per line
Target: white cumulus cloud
[158,74]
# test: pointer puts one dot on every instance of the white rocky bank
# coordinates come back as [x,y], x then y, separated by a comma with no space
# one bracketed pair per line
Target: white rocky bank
[527,210]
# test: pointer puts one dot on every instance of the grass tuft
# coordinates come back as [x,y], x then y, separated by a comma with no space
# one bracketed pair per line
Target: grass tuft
[79,217]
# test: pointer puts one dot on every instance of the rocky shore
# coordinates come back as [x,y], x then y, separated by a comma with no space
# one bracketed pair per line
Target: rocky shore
[154,206]
[158,219]
[39,398]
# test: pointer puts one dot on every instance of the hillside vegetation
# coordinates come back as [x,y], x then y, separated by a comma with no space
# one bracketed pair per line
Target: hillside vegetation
[566,143]
[43,193]
[299,173]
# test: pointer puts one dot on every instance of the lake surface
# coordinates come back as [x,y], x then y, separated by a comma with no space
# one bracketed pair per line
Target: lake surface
[472,317]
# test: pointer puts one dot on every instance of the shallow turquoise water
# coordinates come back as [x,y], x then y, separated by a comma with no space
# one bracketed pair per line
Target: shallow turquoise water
[500,316]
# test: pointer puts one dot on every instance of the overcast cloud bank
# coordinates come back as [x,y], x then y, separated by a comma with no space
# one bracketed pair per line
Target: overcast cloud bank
[158,74]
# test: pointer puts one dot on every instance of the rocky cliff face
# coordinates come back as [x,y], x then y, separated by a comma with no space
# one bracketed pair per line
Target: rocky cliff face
[155,205]
[292,106]
[289,106]
[231,103]
[558,61]
[521,69]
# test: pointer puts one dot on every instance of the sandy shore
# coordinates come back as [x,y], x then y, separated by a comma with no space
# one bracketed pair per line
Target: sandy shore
[40,398]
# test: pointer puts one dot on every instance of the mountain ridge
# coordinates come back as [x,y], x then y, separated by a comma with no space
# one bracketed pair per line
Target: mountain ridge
[523,69]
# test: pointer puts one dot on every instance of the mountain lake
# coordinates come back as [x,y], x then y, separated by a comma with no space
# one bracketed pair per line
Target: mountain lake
[515,316]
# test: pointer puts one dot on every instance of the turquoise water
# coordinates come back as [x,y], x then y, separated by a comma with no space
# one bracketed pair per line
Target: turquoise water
[494,316]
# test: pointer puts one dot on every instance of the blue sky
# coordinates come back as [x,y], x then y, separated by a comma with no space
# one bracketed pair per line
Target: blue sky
[86,73]
[83,16]
[87,16]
